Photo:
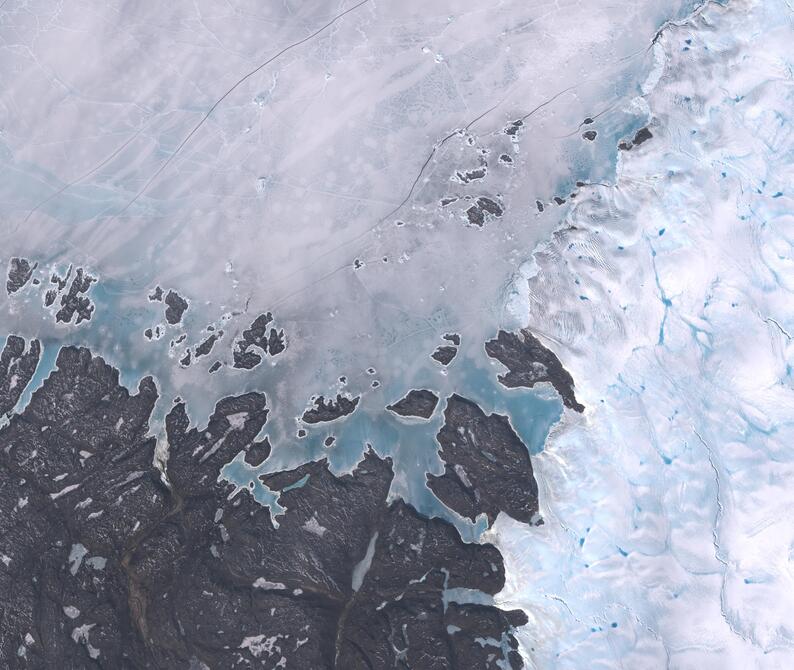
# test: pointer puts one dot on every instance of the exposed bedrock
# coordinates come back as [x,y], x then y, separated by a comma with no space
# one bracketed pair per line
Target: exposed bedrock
[20,270]
[528,363]
[105,563]
[18,362]
[487,468]
[418,403]
[330,409]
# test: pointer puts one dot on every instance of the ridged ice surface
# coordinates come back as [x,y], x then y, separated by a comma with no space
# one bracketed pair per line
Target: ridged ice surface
[669,533]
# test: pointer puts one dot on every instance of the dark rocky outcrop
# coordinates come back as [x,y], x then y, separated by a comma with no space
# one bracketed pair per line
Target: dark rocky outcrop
[107,563]
[398,618]
[331,409]
[444,354]
[641,136]
[483,210]
[74,303]
[419,403]
[18,362]
[487,468]
[19,273]
[513,128]
[529,363]
[246,356]
[77,487]
[175,307]
[206,346]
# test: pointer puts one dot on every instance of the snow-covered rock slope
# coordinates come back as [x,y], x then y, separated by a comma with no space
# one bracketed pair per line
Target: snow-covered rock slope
[669,534]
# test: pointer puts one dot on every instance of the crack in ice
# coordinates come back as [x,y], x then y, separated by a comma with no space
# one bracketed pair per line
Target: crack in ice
[717,548]
[231,89]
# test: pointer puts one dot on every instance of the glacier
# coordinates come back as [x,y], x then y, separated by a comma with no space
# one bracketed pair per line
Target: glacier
[669,540]
[377,174]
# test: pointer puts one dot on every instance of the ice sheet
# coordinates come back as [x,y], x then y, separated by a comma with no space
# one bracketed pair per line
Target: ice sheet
[294,157]
[669,537]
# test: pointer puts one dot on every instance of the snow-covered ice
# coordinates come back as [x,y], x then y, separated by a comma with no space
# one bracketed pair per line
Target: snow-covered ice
[318,160]
[669,537]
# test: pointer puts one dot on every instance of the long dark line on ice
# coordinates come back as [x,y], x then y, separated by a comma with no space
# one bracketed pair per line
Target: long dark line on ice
[98,167]
[228,93]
